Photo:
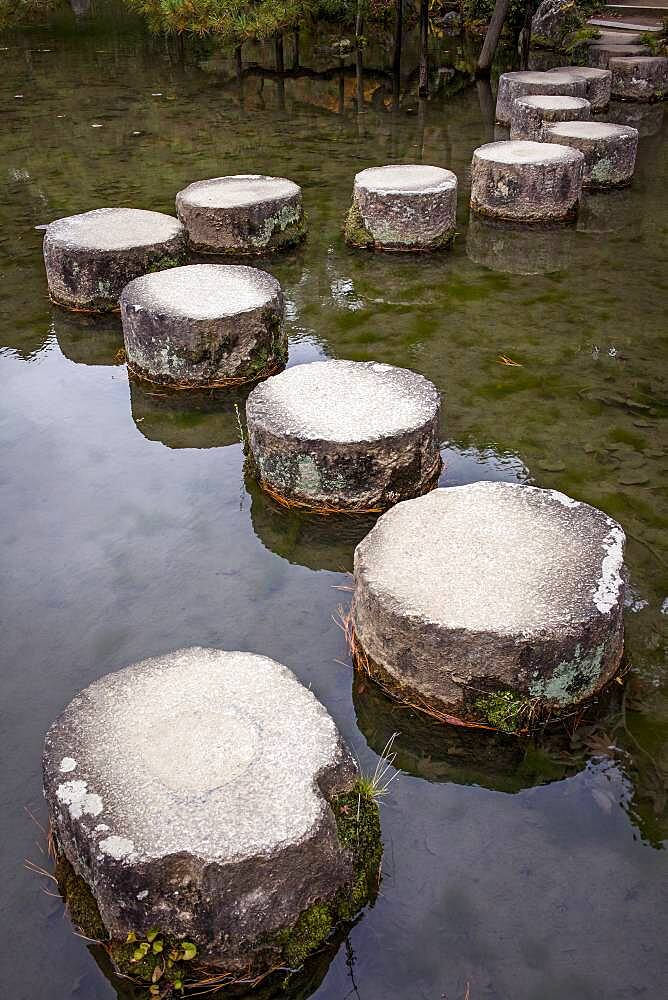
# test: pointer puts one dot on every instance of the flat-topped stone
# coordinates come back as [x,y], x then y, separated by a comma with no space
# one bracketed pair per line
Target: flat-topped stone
[196,792]
[600,55]
[242,214]
[531,114]
[526,181]
[89,258]
[597,82]
[492,588]
[609,150]
[521,83]
[639,78]
[403,207]
[345,434]
[204,324]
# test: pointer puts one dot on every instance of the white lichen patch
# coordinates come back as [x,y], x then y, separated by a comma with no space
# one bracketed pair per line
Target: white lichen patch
[578,676]
[67,764]
[142,895]
[79,801]
[117,847]
[611,580]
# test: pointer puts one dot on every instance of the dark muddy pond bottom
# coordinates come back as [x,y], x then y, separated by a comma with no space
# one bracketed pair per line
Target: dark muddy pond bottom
[128,528]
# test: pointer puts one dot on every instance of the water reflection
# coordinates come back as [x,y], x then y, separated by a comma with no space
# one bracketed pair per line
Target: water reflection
[88,340]
[319,543]
[463,465]
[187,419]
[439,753]
[647,118]
[618,211]
[519,249]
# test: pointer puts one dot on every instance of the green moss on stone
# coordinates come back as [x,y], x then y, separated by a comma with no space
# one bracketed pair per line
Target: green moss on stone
[80,902]
[355,232]
[165,263]
[502,709]
[313,927]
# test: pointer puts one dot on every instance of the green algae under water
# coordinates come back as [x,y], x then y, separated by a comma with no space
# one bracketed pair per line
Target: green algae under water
[128,528]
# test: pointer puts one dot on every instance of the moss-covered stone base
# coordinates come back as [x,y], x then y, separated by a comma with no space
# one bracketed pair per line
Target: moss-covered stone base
[285,238]
[356,234]
[165,966]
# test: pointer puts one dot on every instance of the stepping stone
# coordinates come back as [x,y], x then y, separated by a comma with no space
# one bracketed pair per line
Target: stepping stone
[531,114]
[609,150]
[600,55]
[526,181]
[345,435]
[208,794]
[519,249]
[403,207]
[639,78]
[598,83]
[491,596]
[204,325]
[242,214]
[89,258]
[524,82]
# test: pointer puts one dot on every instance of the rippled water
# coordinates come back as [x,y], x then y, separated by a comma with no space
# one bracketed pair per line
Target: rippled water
[128,528]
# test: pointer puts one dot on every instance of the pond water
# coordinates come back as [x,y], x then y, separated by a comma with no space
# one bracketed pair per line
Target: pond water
[128,528]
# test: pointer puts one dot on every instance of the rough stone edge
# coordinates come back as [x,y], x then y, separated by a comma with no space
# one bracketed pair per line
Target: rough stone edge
[357,235]
[553,222]
[281,239]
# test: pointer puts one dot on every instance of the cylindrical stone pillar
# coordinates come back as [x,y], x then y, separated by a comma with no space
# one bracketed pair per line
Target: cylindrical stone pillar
[609,150]
[204,325]
[640,78]
[242,214]
[597,81]
[205,800]
[532,113]
[525,82]
[600,55]
[526,181]
[492,601]
[403,207]
[89,258]
[345,435]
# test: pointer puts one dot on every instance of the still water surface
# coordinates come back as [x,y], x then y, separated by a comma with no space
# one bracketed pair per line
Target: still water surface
[128,527]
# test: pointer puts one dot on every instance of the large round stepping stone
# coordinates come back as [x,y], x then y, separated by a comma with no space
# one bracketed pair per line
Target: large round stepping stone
[639,78]
[202,793]
[204,325]
[597,81]
[345,435]
[526,181]
[89,258]
[242,214]
[403,207]
[524,82]
[493,589]
[609,150]
[531,114]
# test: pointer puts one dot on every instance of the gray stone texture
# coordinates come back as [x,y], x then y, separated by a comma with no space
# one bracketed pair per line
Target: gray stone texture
[89,258]
[600,54]
[525,181]
[521,83]
[492,586]
[639,78]
[554,20]
[191,792]
[406,206]
[242,214]
[345,434]
[531,114]
[519,249]
[203,323]
[598,83]
[609,150]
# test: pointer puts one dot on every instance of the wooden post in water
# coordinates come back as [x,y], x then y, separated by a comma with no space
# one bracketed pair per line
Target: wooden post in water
[280,70]
[525,36]
[486,56]
[423,87]
[295,48]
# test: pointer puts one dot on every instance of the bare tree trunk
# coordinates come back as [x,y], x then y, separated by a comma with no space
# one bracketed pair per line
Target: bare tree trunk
[238,64]
[295,48]
[486,56]
[423,87]
[396,62]
[359,65]
[526,34]
[280,70]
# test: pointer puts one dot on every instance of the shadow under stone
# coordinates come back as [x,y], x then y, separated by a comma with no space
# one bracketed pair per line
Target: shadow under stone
[187,418]
[89,340]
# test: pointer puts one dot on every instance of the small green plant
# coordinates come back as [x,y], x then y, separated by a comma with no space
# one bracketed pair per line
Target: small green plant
[502,709]
[375,786]
[242,436]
